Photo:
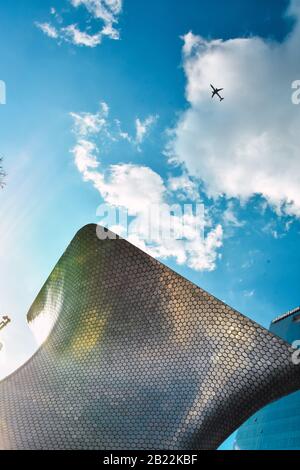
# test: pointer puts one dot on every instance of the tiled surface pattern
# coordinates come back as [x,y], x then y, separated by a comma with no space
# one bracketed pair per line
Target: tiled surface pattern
[138,358]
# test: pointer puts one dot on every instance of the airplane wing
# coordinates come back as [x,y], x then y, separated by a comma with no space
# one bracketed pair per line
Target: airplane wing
[219,89]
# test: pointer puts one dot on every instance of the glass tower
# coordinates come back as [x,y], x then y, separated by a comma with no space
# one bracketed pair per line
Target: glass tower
[277,426]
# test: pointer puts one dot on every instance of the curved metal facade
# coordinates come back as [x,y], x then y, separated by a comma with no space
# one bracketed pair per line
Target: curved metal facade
[137,358]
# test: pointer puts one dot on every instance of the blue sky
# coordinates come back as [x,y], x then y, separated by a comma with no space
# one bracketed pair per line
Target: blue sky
[158,123]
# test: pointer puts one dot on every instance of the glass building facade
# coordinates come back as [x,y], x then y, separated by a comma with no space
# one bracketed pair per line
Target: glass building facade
[277,426]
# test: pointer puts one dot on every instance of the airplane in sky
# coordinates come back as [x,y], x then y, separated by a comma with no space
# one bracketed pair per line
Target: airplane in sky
[216,92]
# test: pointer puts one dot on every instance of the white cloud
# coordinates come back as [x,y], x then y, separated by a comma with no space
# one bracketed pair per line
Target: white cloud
[142,128]
[110,31]
[230,217]
[203,257]
[138,189]
[276,230]
[80,38]
[105,11]
[85,124]
[85,156]
[189,41]
[48,29]
[88,123]
[184,186]
[249,143]
[133,187]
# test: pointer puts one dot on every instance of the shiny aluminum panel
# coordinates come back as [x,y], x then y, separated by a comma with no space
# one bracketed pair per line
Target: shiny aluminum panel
[137,358]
